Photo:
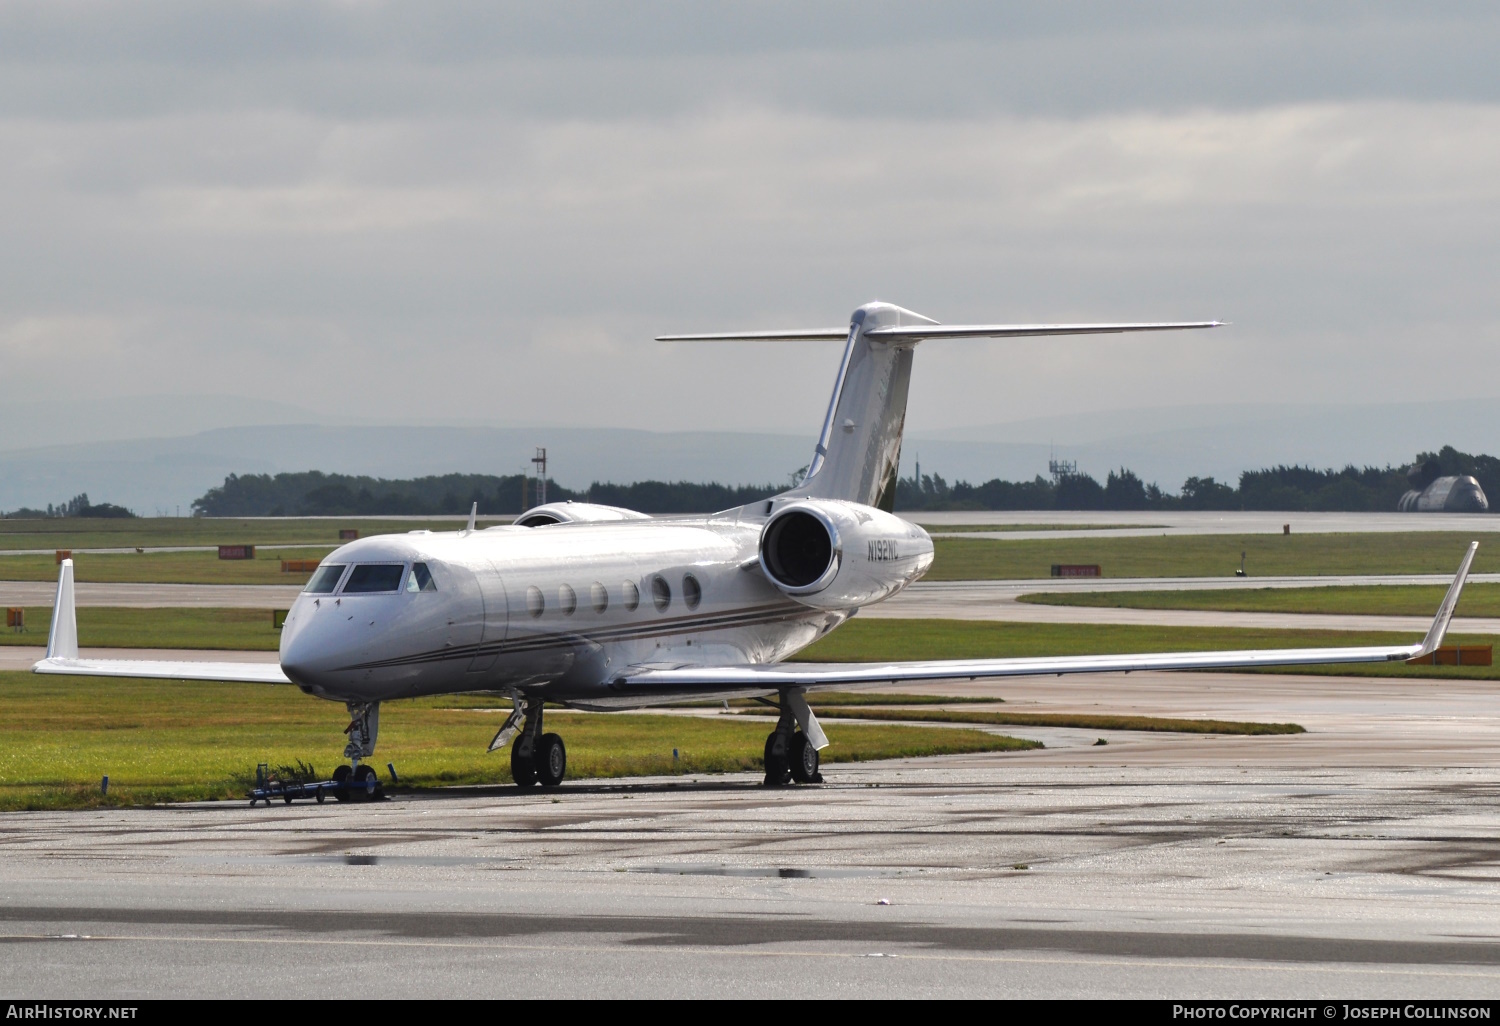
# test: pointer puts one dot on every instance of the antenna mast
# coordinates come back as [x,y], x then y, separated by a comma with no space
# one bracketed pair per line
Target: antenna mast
[540,459]
[1060,469]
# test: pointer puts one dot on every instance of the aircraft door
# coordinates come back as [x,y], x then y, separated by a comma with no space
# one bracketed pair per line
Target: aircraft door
[496,616]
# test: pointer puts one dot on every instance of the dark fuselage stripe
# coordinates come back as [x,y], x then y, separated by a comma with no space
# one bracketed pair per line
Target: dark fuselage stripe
[634,632]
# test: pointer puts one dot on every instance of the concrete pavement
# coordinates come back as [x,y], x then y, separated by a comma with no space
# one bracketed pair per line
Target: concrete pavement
[1356,860]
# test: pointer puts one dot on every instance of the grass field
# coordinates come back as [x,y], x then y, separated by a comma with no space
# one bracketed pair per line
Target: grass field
[1373,600]
[86,533]
[165,567]
[247,630]
[163,741]
[966,559]
[957,559]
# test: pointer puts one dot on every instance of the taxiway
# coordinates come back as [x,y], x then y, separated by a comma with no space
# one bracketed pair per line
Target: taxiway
[1357,859]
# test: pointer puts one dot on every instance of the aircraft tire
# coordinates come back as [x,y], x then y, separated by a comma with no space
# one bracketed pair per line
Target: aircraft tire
[804,761]
[778,773]
[341,778]
[551,760]
[364,778]
[522,769]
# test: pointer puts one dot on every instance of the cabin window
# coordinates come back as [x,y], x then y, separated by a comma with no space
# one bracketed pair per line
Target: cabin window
[692,591]
[568,599]
[535,604]
[373,578]
[632,595]
[661,593]
[325,579]
[420,578]
[599,596]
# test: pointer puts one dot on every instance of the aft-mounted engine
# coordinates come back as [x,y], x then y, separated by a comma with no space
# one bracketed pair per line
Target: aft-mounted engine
[830,554]
[575,513]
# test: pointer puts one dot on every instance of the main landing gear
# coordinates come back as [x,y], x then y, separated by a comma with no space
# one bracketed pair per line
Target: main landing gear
[535,758]
[359,782]
[792,754]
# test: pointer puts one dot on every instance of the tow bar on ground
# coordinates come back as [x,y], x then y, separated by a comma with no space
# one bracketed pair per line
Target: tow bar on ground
[368,789]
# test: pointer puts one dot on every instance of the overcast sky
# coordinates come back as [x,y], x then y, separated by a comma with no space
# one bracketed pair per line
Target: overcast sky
[483,212]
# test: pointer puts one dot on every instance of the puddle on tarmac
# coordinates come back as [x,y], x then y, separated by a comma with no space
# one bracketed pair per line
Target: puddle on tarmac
[355,860]
[773,872]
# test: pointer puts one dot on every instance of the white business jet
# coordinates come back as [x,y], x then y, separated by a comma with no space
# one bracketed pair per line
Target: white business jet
[601,608]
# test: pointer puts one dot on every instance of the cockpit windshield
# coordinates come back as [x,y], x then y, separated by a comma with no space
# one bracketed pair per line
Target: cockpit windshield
[374,577]
[325,579]
[420,579]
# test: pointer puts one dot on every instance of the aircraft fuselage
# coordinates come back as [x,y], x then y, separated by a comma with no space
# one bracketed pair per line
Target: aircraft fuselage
[559,610]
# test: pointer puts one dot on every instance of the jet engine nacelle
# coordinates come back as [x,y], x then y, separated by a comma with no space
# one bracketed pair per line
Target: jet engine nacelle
[575,513]
[830,554]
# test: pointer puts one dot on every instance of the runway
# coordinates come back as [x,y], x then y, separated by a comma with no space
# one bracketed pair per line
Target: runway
[154,596]
[1359,859]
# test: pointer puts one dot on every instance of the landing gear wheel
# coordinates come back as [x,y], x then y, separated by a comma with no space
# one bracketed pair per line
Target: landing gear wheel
[365,783]
[804,761]
[522,768]
[341,778]
[778,772]
[550,760]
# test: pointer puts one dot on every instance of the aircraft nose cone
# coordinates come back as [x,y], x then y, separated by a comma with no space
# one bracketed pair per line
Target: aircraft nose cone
[309,648]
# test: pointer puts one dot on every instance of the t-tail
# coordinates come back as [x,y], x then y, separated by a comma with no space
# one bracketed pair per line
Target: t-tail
[858,453]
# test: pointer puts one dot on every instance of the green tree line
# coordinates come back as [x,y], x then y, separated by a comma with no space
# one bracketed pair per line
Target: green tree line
[313,493]
[1282,488]
[78,506]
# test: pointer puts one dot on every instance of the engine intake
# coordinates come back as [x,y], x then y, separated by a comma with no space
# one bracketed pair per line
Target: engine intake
[799,551]
[831,554]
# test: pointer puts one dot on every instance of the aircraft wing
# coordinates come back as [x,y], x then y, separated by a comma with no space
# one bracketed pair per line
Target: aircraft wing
[648,684]
[246,673]
[62,653]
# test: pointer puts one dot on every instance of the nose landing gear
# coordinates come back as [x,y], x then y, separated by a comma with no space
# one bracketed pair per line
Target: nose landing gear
[356,781]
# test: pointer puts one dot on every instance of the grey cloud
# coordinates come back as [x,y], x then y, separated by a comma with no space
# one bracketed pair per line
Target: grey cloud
[412,213]
[954,59]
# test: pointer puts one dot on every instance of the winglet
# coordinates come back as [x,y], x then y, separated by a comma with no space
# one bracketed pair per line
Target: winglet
[473,515]
[62,640]
[1445,611]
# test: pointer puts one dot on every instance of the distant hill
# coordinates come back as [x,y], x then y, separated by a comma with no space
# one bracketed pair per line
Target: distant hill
[160,473]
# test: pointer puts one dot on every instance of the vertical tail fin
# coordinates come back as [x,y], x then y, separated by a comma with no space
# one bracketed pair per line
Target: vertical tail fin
[859,449]
[62,640]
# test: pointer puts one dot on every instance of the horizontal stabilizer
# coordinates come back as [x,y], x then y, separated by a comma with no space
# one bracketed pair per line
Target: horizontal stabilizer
[804,335]
[917,332]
